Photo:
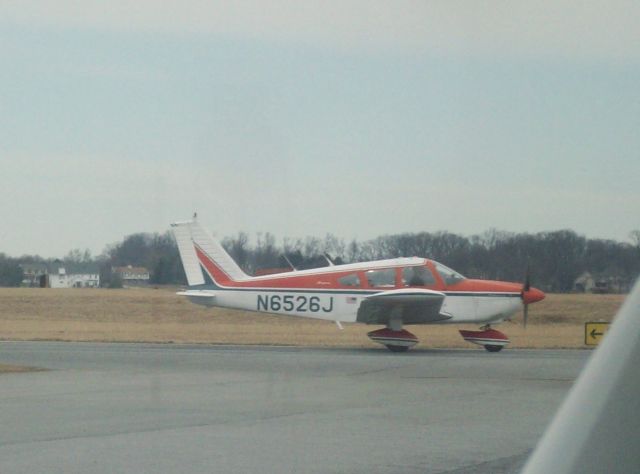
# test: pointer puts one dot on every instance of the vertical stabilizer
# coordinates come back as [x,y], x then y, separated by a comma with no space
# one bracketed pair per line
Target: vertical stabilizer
[182,232]
[212,248]
[195,244]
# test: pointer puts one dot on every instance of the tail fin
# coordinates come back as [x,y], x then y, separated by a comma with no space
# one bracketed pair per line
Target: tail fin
[190,262]
[202,255]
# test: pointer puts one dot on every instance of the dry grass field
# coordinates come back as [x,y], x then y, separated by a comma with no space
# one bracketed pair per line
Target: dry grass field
[159,315]
[4,368]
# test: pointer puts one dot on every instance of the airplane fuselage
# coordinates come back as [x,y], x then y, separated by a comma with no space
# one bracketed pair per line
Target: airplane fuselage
[342,306]
[322,293]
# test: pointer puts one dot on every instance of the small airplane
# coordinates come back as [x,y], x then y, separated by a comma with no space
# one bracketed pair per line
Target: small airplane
[394,292]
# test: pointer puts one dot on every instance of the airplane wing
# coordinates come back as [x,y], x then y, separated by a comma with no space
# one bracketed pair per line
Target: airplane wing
[201,297]
[413,305]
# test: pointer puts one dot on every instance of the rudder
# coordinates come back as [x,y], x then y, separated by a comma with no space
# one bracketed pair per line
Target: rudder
[200,252]
[188,256]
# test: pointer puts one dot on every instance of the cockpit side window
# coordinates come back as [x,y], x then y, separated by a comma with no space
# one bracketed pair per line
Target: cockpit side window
[350,280]
[449,276]
[417,276]
[385,278]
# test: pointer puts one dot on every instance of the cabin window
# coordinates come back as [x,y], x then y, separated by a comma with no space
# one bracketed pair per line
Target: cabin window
[350,280]
[449,276]
[417,276]
[382,278]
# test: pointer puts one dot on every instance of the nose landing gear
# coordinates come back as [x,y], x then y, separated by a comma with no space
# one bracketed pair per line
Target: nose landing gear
[492,339]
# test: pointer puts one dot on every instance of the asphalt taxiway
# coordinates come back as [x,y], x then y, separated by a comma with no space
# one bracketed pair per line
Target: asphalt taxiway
[153,408]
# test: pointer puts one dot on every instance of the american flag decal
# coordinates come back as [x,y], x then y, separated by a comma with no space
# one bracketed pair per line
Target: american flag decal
[352,299]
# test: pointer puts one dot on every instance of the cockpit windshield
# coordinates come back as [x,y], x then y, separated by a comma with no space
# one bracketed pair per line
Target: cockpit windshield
[449,276]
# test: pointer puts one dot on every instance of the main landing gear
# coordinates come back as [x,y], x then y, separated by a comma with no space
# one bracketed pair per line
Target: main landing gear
[491,339]
[394,337]
[397,339]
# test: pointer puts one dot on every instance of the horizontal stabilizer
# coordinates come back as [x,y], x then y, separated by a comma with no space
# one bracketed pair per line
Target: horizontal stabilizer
[201,297]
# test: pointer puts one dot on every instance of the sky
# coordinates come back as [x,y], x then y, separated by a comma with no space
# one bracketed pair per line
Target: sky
[350,117]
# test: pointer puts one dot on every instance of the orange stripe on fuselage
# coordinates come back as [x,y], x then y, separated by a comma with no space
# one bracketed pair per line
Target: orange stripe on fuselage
[485,286]
[329,280]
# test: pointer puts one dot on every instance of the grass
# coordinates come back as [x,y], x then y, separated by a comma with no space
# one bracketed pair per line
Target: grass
[159,315]
[7,369]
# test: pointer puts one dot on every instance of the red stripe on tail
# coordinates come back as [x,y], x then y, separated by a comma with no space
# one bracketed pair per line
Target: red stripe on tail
[215,272]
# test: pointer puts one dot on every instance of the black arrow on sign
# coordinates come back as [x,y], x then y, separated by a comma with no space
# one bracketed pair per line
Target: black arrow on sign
[594,333]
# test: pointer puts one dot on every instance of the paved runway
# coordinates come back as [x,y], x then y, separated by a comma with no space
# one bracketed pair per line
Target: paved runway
[147,408]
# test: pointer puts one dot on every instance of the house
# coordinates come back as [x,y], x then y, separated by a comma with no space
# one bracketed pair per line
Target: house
[66,275]
[584,283]
[612,284]
[34,274]
[588,283]
[132,276]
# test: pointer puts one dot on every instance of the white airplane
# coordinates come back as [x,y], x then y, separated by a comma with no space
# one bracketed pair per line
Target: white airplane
[394,292]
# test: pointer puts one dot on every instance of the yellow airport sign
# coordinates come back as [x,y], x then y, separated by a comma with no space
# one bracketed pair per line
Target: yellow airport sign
[594,332]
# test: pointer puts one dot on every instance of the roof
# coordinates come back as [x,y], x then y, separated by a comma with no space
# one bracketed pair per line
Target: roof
[36,267]
[130,269]
[393,262]
[75,268]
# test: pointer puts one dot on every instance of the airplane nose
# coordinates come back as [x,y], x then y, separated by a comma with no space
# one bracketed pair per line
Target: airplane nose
[532,295]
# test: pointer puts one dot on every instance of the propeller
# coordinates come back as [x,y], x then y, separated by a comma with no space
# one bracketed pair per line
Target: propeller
[525,288]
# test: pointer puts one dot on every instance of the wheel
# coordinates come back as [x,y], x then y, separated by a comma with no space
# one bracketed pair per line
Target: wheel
[492,348]
[398,348]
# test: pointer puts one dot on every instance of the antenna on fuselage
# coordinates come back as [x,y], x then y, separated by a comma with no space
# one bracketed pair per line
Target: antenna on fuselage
[293,267]
[328,259]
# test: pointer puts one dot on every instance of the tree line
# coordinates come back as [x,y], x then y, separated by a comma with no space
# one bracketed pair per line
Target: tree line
[555,259]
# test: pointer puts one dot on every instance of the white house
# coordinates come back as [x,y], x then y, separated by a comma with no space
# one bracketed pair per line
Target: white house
[34,274]
[59,277]
[132,276]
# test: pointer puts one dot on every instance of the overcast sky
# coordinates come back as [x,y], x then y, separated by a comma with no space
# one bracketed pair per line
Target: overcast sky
[356,118]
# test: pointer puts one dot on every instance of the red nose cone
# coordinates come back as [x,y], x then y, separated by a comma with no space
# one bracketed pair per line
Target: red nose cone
[532,296]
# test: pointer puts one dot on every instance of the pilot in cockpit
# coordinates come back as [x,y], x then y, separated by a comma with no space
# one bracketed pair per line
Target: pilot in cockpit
[412,276]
